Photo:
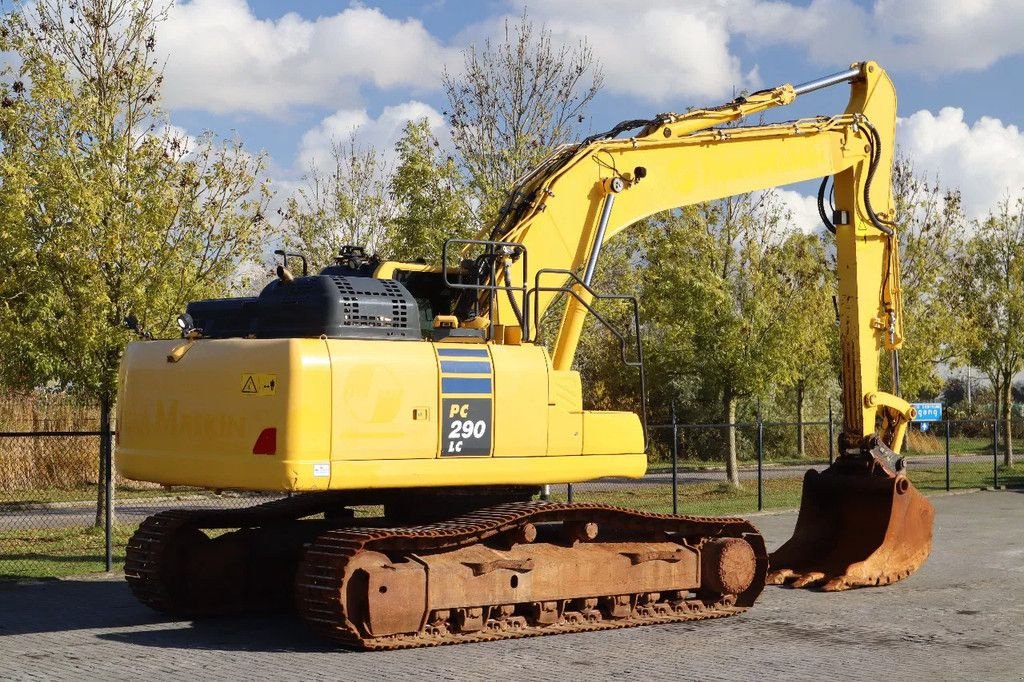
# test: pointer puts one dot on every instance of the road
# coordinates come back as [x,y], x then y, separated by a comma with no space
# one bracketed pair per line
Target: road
[130,511]
[958,618]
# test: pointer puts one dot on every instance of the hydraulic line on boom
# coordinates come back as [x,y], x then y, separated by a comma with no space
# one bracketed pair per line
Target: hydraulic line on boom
[861,522]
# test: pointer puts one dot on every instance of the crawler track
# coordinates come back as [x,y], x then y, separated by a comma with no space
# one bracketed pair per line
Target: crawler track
[324,575]
[168,558]
[271,556]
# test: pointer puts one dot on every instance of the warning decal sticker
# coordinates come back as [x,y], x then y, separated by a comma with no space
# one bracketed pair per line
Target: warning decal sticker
[259,384]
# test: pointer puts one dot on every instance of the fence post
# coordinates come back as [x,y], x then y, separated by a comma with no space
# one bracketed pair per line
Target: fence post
[831,434]
[107,454]
[947,452]
[995,449]
[675,460]
[760,459]
[568,492]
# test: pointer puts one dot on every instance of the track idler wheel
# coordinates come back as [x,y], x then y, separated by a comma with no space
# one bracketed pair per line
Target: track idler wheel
[861,523]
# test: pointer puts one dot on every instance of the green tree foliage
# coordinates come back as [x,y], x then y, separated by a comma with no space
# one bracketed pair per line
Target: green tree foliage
[347,204]
[513,102]
[930,222]
[612,384]
[810,369]
[430,199]
[104,209]
[720,290]
[990,283]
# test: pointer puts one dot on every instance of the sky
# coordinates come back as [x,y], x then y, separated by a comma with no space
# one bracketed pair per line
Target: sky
[288,77]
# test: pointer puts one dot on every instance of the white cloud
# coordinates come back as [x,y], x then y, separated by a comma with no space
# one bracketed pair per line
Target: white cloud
[984,159]
[223,59]
[922,36]
[803,210]
[666,53]
[381,133]
[673,53]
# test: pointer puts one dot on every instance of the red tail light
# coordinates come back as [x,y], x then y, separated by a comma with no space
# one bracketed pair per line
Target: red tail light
[266,444]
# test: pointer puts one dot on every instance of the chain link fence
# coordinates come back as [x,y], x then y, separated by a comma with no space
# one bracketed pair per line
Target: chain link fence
[687,474]
[54,518]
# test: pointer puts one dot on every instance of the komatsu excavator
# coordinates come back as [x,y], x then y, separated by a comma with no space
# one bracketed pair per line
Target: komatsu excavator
[425,391]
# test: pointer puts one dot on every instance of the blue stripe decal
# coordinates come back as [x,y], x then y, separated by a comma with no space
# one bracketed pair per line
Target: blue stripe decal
[455,367]
[463,352]
[460,385]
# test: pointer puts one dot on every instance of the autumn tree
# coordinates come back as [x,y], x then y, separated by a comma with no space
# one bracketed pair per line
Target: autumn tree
[346,203]
[513,101]
[990,285]
[430,200]
[105,210]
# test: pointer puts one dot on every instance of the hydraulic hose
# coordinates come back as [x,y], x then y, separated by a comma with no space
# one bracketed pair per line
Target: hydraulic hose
[821,206]
[875,142]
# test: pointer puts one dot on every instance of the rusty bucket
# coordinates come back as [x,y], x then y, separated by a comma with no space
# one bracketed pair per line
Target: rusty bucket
[859,525]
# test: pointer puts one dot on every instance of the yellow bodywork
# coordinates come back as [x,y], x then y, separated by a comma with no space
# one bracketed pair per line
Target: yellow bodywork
[354,414]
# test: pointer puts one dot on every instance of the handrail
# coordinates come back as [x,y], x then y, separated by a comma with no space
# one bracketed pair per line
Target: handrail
[571,288]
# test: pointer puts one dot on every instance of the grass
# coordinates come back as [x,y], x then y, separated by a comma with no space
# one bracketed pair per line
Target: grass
[965,475]
[58,552]
[702,499]
[714,498]
[930,446]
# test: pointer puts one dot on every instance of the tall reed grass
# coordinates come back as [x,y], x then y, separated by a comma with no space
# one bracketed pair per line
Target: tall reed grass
[47,462]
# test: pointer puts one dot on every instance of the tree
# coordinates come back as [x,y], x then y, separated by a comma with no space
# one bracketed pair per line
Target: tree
[990,284]
[513,102]
[811,334]
[930,221]
[612,384]
[104,209]
[719,287]
[429,196]
[349,204]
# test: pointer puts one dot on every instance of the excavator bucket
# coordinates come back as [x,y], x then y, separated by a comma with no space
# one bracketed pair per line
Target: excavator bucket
[860,524]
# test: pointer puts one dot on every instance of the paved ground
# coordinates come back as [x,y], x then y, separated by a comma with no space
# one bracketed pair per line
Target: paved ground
[960,617]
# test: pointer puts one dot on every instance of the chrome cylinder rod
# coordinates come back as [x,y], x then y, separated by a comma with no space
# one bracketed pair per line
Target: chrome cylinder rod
[595,249]
[826,81]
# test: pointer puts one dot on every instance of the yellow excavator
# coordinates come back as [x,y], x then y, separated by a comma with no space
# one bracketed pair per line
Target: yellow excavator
[412,412]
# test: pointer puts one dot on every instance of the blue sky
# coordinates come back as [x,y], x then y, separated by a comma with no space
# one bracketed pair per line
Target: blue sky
[288,77]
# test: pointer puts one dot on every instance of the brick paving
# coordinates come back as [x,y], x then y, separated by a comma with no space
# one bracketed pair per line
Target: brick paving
[960,617]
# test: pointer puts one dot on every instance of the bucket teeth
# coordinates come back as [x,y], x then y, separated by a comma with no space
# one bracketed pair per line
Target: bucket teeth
[860,524]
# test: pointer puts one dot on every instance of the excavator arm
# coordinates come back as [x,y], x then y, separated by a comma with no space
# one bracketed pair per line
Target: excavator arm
[861,522]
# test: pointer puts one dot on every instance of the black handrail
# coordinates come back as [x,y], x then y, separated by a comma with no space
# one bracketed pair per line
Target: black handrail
[571,289]
[516,251]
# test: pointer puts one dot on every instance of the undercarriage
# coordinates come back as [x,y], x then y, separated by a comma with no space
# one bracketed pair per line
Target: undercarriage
[499,566]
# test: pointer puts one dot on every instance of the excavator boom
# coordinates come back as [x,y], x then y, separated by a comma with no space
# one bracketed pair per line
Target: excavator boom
[861,522]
